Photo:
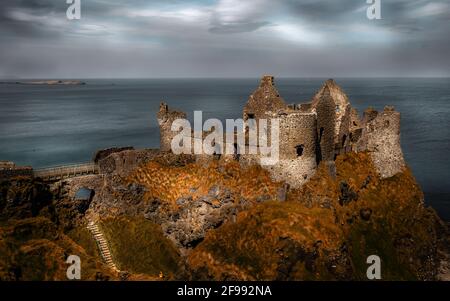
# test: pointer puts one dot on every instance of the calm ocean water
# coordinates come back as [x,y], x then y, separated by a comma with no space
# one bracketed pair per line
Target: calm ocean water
[52,125]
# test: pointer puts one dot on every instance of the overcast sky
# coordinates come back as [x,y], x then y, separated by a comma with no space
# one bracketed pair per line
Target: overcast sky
[224,38]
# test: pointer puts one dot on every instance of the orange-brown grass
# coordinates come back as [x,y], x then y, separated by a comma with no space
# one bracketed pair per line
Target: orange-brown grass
[170,183]
[400,229]
[39,249]
[248,249]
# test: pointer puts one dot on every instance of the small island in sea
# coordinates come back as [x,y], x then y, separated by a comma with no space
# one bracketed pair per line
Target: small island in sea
[44,82]
[341,193]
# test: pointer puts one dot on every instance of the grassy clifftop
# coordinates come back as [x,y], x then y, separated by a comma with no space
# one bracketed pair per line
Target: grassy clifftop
[34,249]
[326,230]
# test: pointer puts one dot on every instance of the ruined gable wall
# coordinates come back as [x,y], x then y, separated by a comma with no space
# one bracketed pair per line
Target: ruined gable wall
[343,145]
[326,120]
[341,106]
[264,98]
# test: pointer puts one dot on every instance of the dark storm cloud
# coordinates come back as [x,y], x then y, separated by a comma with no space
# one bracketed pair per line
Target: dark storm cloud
[224,38]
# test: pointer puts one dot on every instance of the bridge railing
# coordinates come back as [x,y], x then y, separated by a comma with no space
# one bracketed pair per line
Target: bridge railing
[66,171]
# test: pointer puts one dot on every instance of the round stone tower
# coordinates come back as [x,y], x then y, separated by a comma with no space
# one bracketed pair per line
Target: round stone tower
[297,147]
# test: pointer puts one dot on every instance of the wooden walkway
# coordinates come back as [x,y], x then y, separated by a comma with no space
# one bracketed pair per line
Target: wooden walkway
[66,171]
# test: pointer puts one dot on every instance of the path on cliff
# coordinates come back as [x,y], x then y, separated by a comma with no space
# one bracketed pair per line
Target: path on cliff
[102,245]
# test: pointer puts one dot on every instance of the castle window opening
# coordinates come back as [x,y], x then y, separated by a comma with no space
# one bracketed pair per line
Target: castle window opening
[344,138]
[299,149]
[321,133]
[337,108]
[386,123]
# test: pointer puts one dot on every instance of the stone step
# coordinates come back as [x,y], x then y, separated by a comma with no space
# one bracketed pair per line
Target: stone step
[102,245]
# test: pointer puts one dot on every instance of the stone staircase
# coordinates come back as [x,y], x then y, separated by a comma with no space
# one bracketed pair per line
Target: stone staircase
[102,245]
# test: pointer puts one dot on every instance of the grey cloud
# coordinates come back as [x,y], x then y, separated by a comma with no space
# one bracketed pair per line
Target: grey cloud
[321,10]
[237,27]
[236,43]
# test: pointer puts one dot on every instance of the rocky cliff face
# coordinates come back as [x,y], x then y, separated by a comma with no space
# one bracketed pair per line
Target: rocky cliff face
[189,200]
[222,221]
[326,231]
[35,227]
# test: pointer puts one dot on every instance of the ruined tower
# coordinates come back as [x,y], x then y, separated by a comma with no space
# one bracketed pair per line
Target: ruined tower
[381,138]
[165,120]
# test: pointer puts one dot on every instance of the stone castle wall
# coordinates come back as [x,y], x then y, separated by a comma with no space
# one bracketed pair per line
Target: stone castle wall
[297,148]
[311,133]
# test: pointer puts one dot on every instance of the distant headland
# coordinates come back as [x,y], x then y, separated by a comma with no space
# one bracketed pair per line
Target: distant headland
[45,82]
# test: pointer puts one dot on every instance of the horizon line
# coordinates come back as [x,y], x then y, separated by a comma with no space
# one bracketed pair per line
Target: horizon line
[218,77]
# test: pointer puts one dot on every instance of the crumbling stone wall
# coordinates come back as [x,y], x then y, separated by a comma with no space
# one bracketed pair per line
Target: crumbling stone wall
[125,161]
[103,153]
[165,119]
[310,133]
[326,121]
[382,135]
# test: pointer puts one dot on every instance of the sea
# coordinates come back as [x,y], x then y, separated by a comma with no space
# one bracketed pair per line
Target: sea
[43,125]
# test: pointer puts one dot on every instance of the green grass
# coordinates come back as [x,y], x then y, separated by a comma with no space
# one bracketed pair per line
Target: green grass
[139,246]
[83,237]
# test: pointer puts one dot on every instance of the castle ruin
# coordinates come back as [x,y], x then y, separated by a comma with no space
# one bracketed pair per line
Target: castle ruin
[313,133]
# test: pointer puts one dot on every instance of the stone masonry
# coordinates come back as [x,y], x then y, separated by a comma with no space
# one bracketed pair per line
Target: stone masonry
[314,133]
